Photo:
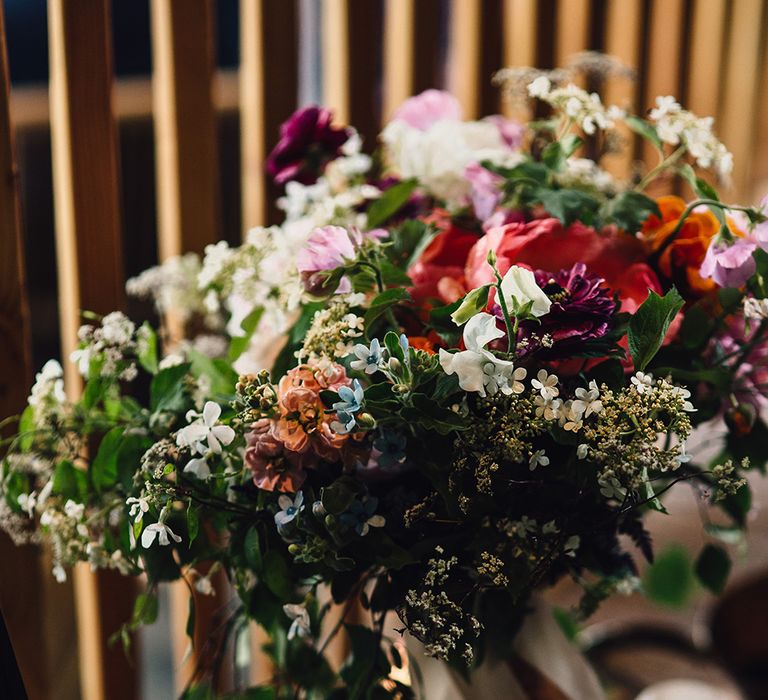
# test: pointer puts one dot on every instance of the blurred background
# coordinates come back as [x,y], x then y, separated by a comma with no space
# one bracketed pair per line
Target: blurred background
[190,95]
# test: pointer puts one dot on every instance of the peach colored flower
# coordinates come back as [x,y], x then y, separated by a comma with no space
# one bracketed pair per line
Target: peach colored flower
[303,424]
[273,467]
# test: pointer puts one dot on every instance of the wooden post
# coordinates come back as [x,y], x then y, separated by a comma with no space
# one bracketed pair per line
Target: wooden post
[520,47]
[573,20]
[268,96]
[90,269]
[185,126]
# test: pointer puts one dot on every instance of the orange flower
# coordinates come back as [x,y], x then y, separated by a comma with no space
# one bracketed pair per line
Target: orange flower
[679,260]
[420,342]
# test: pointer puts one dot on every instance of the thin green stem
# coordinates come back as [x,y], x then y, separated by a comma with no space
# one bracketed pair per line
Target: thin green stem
[511,330]
[665,164]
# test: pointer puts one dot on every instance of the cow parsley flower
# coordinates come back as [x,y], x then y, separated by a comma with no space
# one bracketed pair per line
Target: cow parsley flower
[300,625]
[538,458]
[642,382]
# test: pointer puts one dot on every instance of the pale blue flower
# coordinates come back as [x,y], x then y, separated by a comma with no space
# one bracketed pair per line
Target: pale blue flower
[368,358]
[350,404]
[361,516]
[289,509]
[391,445]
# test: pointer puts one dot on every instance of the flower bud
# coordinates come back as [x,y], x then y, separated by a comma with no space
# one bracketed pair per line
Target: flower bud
[400,389]
[394,365]
[318,509]
[366,421]
[294,549]
[491,257]
[330,521]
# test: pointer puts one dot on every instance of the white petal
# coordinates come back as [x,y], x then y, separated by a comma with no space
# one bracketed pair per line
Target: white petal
[148,536]
[480,330]
[467,366]
[284,502]
[199,467]
[211,413]
[377,521]
[224,434]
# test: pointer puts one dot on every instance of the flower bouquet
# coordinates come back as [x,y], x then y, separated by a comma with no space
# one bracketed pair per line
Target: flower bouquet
[461,370]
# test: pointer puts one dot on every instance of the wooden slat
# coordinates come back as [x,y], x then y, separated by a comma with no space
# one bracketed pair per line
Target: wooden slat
[464,54]
[739,114]
[519,31]
[268,96]
[90,271]
[705,65]
[22,595]
[185,125]
[623,34]
[572,29]
[351,60]
[760,169]
[411,50]
[663,61]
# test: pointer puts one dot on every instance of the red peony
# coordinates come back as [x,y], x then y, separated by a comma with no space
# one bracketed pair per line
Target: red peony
[545,244]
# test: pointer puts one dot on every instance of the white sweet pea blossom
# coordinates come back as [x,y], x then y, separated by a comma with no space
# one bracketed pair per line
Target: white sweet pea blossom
[522,294]
[198,467]
[202,434]
[300,616]
[755,309]
[477,368]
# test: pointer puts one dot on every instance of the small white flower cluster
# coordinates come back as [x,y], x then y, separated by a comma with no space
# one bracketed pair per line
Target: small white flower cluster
[67,531]
[438,156]
[582,107]
[755,309]
[173,287]
[113,344]
[47,396]
[334,330]
[204,436]
[585,173]
[569,413]
[676,126]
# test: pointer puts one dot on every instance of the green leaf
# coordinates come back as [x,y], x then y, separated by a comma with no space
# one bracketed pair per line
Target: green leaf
[713,567]
[556,153]
[276,575]
[696,328]
[26,428]
[191,615]
[568,205]
[253,550]
[168,389]
[473,303]
[193,523]
[629,210]
[337,497]
[128,458]
[567,623]
[383,301]
[390,203]
[738,505]
[239,343]
[393,276]
[220,374]
[669,580]
[148,348]
[103,468]
[644,129]
[145,609]
[70,482]
[649,325]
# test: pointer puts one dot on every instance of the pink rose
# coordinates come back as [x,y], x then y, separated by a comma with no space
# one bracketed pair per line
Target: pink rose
[326,249]
[423,110]
[545,244]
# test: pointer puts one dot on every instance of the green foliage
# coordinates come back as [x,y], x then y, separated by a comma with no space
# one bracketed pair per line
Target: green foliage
[713,567]
[649,325]
[644,129]
[629,210]
[70,482]
[669,580]
[239,343]
[168,391]
[147,355]
[390,203]
[569,205]
[384,301]
[474,302]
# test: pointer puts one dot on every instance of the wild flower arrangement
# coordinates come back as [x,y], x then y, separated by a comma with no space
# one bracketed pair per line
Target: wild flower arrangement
[488,357]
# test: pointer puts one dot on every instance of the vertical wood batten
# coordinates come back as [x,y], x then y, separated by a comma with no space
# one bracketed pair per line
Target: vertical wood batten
[573,17]
[705,67]
[623,34]
[740,99]
[22,596]
[351,56]
[519,38]
[268,96]
[464,54]
[90,270]
[185,125]
[664,60]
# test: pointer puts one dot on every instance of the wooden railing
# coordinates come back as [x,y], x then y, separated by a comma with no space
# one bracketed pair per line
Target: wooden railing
[711,53]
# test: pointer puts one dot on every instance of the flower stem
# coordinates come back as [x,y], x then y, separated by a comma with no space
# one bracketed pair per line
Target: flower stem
[511,329]
[660,168]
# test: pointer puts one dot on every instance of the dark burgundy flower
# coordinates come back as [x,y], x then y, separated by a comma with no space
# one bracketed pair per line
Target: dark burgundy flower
[582,310]
[308,141]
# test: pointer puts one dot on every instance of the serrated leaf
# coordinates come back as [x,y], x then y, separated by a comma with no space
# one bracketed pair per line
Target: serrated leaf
[650,323]
[713,567]
[629,210]
[168,388]
[568,205]
[384,301]
[239,343]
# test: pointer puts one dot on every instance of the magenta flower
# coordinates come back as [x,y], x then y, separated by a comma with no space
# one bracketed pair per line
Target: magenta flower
[729,265]
[423,110]
[327,249]
[486,189]
[308,141]
[511,132]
